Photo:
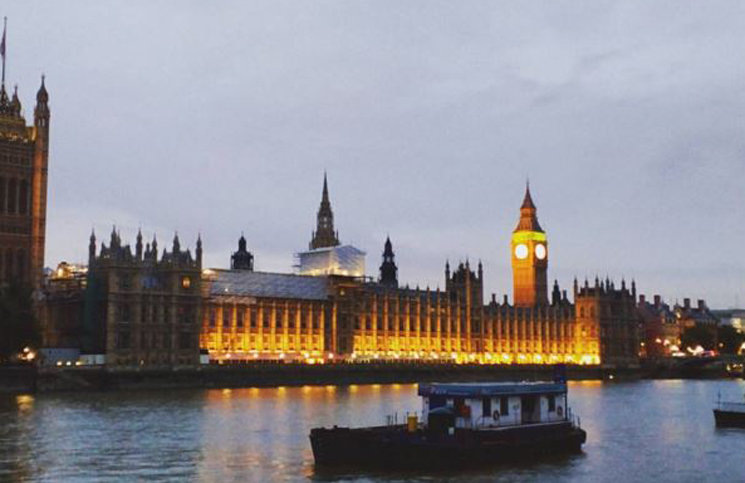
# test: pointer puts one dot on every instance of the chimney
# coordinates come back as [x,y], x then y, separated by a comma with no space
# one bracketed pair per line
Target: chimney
[642,299]
[701,304]
[506,302]
[657,301]
[687,304]
[494,298]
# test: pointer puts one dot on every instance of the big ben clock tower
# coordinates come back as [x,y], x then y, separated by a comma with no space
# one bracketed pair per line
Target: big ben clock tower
[529,258]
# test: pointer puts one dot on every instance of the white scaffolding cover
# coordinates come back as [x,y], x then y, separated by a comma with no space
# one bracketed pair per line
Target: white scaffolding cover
[344,260]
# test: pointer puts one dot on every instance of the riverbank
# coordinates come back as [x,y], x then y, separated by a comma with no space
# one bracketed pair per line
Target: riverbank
[31,379]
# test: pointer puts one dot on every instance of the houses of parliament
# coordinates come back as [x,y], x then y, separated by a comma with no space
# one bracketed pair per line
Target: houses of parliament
[143,306]
[252,315]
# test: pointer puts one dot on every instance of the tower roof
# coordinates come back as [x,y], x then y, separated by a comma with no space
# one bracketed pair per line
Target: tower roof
[325,235]
[528,219]
[528,200]
[42,96]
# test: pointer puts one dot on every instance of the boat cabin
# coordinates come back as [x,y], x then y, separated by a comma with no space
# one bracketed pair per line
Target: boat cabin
[492,405]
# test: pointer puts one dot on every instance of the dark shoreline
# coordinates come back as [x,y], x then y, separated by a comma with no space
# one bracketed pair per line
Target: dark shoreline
[27,379]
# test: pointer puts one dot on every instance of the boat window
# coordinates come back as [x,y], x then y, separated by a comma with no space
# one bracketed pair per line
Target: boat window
[504,406]
[437,402]
[551,404]
[486,407]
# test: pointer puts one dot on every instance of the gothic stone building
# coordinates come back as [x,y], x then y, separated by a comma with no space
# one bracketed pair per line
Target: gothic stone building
[255,315]
[142,308]
[24,154]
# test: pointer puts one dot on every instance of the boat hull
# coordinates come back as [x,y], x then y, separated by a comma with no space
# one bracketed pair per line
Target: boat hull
[729,419]
[394,447]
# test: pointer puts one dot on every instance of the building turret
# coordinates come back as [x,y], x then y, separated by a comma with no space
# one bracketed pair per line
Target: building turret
[324,236]
[15,103]
[176,244]
[4,102]
[138,245]
[556,294]
[388,269]
[41,112]
[242,259]
[199,251]
[113,243]
[40,136]
[92,248]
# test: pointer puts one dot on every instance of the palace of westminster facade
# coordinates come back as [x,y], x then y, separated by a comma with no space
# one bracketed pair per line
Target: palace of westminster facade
[143,306]
[252,315]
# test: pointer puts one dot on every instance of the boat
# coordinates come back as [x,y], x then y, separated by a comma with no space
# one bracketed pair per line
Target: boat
[461,425]
[729,414]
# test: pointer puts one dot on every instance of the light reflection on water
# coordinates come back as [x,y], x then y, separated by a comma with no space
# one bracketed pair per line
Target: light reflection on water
[638,431]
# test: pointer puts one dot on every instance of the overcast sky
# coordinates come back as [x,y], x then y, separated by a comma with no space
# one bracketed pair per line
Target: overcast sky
[221,117]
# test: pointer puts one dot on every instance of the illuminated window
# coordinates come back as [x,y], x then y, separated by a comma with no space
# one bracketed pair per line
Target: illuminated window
[186,282]
[240,315]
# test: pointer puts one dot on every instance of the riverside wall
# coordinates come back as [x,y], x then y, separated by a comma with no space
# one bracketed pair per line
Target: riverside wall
[32,379]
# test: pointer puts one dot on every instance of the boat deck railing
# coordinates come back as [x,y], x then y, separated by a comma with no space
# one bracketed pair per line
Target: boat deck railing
[482,423]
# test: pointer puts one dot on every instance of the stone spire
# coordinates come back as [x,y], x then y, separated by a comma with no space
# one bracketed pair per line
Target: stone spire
[388,269]
[199,250]
[138,245]
[528,219]
[41,112]
[92,248]
[176,244]
[15,103]
[325,236]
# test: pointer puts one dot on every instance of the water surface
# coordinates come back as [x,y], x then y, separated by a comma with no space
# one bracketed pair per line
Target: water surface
[660,431]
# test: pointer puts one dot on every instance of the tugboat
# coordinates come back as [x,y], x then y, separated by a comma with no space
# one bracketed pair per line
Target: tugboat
[463,425]
[729,414]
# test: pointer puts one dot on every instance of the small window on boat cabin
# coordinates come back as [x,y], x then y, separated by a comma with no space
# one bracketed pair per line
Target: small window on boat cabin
[504,405]
[486,407]
[437,402]
[551,404]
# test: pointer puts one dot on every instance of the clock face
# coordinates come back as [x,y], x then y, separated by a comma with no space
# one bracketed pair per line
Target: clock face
[540,251]
[521,251]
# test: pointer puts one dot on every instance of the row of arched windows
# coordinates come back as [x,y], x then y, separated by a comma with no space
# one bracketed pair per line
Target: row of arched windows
[13,264]
[15,196]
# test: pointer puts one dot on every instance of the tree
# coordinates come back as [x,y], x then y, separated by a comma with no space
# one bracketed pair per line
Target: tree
[697,335]
[18,325]
[730,339]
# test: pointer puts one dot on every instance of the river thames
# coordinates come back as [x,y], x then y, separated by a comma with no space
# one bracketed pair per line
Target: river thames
[660,431]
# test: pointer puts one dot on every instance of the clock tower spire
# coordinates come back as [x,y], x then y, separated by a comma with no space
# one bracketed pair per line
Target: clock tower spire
[529,257]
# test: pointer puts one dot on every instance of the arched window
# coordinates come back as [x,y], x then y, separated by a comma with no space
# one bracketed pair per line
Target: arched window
[3,195]
[23,197]
[21,265]
[12,195]
[8,264]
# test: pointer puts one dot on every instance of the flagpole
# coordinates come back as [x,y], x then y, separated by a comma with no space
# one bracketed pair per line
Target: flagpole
[5,28]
